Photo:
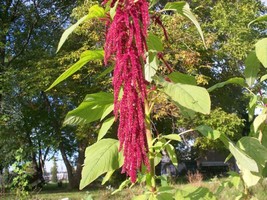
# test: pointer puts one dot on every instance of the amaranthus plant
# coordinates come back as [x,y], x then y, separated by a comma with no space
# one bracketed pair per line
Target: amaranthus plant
[135,53]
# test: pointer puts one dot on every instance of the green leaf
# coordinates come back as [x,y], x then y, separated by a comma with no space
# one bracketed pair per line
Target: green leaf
[252,68]
[249,178]
[255,150]
[123,185]
[188,96]
[178,77]
[241,157]
[263,78]
[172,154]
[259,120]
[184,9]
[236,80]
[154,43]
[251,107]
[105,127]
[107,177]
[194,193]
[261,51]
[91,109]
[175,137]
[85,58]
[94,12]
[106,71]
[109,108]
[259,19]
[208,132]
[101,157]
[151,66]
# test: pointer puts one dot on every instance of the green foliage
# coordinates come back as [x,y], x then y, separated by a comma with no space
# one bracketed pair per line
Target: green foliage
[184,9]
[194,193]
[94,12]
[236,80]
[190,97]
[252,68]
[261,51]
[100,105]
[178,77]
[85,58]
[101,157]
[20,183]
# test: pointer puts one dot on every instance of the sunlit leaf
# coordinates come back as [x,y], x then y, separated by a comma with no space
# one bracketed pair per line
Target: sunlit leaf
[91,109]
[241,157]
[252,68]
[184,9]
[94,12]
[259,19]
[107,177]
[236,80]
[103,156]
[85,58]
[175,137]
[188,96]
[261,51]
[105,127]
[258,121]
[255,150]
[194,193]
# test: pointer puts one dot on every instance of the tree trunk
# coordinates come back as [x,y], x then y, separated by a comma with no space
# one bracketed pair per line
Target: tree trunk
[70,171]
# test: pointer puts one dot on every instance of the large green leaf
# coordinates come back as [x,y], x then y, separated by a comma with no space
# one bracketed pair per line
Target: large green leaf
[259,19]
[178,77]
[105,127]
[184,9]
[188,96]
[94,12]
[252,68]
[86,56]
[241,157]
[101,157]
[261,51]
[236,80]
[91,109]
[255,150]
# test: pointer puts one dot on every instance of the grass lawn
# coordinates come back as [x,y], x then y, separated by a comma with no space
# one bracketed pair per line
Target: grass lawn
[52,192]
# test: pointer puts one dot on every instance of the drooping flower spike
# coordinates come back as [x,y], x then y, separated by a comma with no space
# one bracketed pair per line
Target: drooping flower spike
[126,44]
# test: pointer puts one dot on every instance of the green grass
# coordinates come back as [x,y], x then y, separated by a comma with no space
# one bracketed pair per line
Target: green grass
[52,192]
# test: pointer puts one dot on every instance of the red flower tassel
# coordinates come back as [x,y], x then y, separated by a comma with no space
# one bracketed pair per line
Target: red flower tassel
[125,40]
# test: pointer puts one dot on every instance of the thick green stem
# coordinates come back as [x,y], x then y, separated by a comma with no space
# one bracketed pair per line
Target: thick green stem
[149,137]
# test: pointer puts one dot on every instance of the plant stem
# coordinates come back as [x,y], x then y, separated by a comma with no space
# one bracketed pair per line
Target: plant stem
[149,137]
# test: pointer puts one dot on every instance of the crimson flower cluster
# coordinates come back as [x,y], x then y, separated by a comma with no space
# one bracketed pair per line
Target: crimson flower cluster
[126,44]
